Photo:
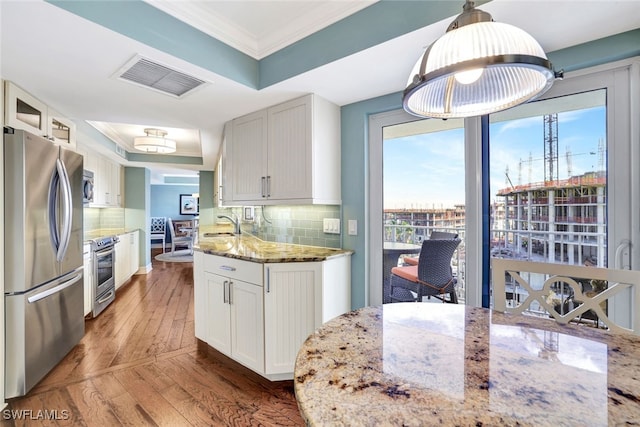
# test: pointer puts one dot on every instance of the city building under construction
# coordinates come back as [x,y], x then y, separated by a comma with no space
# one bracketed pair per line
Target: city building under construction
[556,220]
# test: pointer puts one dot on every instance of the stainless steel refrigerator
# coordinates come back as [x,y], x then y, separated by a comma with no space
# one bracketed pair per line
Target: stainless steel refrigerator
[44,303]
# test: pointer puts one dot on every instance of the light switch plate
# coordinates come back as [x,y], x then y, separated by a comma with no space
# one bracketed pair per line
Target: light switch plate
[331,225]
[353,227]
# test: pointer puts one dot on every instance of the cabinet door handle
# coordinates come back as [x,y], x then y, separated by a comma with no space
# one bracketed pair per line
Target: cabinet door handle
[268,186]
[230,289]
[262,186]
[227,268]
[268,281]
[224,291]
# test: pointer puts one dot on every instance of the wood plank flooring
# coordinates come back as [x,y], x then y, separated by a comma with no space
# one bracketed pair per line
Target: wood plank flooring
[140,364]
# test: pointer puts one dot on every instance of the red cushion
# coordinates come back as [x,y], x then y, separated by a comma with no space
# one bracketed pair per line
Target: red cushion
[410,272]
[411,260]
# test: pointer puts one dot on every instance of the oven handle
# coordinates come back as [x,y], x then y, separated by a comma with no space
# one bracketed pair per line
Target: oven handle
[103,253]
[106,297]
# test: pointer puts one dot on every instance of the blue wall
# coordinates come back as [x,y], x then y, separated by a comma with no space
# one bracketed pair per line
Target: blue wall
[165,201]
[355,163]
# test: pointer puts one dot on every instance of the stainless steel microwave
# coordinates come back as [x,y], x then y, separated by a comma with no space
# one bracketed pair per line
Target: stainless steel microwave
[87,187]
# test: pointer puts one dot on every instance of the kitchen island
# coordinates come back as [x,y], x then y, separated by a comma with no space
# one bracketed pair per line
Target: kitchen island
[419,364]
[257,301]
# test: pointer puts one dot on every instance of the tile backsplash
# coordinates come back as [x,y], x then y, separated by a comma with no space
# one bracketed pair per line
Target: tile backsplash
[101,218]
[301,225]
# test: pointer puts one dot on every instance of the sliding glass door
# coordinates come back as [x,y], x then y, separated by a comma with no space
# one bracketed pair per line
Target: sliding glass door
[564,179]
[423,178]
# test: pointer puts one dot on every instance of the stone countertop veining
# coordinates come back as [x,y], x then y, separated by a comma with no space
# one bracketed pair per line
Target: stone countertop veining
[250,248]
[104,232]
[442,364]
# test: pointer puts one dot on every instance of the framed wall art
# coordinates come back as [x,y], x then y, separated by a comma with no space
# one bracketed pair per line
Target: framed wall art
[188,204]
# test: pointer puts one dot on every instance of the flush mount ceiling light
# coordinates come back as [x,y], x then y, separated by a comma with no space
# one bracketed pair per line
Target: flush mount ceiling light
[154,142]
[477,67]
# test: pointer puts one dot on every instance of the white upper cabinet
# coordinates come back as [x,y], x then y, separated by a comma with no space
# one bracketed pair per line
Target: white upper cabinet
[222,192]
[248,157]
[286,154]
[290,151]
[62,130]
[107,174]
[24,111]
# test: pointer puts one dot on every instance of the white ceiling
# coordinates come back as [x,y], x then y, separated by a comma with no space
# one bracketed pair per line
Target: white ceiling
[260,28]
[69,62]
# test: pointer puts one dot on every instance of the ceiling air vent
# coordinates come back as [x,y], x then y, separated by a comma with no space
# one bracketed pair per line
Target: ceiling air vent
[152,75]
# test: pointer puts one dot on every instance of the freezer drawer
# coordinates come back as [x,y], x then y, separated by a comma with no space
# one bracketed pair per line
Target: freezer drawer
[42,331]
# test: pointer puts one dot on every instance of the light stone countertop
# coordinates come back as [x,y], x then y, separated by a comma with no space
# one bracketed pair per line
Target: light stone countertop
[250,248]
[419,364]
[105,232]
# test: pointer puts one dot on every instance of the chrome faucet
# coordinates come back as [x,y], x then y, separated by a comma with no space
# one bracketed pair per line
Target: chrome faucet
[235,222]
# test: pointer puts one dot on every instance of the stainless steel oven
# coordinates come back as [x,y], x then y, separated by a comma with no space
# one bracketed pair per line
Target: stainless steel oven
[103,289]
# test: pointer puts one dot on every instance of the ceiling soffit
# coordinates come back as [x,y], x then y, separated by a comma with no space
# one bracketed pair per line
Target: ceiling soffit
[260,28]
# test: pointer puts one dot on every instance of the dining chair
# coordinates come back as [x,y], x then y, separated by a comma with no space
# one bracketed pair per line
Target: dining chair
[158,230]
[431,277]
[558,291]
[178,238]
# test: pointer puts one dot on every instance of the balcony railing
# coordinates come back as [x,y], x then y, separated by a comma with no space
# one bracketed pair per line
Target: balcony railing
[507,243]
[567,293]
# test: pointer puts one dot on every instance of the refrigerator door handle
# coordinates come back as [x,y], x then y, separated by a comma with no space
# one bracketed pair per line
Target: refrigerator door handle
[55,289]
[65,185]
[59,186]
[53,212]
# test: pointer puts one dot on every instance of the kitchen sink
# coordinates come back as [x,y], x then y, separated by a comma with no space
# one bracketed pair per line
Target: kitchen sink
[225,234]
[218,242]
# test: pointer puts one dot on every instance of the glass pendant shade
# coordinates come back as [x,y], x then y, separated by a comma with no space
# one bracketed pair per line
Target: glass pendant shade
[477,68]
[154,142]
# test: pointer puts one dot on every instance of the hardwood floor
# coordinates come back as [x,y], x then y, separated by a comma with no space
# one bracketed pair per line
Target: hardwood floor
[140,364]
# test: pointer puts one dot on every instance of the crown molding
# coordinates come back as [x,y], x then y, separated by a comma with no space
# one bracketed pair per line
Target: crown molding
[314,18]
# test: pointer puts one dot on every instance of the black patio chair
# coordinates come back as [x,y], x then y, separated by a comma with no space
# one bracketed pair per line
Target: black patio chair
[431,277]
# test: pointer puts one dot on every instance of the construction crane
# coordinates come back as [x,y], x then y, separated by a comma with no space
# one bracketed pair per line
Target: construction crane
[550,146]
[508,180]
[529,168]
[601,153]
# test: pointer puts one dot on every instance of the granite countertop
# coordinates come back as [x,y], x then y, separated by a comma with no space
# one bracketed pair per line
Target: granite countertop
[105,232]
[444,364]
[248,247]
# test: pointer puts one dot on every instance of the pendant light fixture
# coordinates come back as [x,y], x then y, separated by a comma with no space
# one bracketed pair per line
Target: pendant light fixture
[154,142]
[477,67]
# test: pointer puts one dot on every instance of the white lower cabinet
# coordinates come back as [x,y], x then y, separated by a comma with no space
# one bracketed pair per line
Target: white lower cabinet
[299,297]
[247,336]
[134,253]
[292,310]
[127,257]
[232,314]
[262,323]
[235,323]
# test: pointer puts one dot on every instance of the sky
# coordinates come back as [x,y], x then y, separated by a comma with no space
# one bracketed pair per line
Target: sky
[427,171]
